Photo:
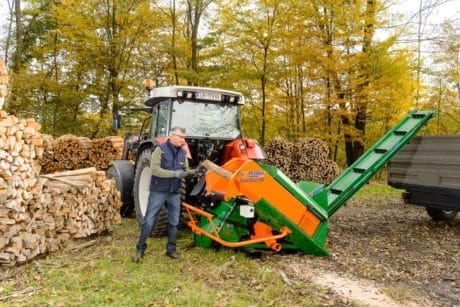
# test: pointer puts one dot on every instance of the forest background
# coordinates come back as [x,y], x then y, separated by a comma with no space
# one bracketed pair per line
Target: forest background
[342,71]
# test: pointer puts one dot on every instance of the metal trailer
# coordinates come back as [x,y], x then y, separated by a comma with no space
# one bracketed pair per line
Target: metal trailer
[428,169]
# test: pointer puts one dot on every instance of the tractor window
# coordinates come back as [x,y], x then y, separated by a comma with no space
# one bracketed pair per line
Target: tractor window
[160,116]
[153,124]
[200,119]
[163,117]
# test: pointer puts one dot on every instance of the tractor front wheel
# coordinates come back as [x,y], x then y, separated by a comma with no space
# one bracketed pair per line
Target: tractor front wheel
[141,194]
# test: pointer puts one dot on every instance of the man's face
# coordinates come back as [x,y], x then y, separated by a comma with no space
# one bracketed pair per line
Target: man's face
[177,139]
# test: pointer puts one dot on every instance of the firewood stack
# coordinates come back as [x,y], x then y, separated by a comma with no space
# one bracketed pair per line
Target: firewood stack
[278,152]
[47,162]
[105,150]
[307,159]
[79,201]
[72,152]
[38,213]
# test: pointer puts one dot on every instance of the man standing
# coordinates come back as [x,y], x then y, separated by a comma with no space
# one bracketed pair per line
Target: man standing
[168,165]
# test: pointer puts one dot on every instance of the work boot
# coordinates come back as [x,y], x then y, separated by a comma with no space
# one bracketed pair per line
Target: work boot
[137,257]
[173,255]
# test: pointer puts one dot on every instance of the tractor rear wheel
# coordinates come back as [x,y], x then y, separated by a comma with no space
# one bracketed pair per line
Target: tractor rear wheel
[141,194]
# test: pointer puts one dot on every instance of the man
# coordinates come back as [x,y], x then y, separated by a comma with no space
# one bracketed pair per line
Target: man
[168,165]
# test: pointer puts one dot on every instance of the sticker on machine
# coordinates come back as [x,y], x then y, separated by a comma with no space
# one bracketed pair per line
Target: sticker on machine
[252,176]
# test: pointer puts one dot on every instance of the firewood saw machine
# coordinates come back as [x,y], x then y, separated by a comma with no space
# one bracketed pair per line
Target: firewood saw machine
[239,202]
[251,205]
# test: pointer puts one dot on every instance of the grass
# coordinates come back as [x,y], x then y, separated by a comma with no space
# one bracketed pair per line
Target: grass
[377,189]
[103,274]
[401,293]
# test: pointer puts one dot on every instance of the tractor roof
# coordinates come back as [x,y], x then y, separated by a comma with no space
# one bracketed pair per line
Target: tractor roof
[194,93]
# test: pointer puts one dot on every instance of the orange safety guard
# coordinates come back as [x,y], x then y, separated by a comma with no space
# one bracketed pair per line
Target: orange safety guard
[251,181]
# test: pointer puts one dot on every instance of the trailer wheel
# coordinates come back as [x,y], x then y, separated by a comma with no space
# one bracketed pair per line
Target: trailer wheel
[441,214]
[141,194]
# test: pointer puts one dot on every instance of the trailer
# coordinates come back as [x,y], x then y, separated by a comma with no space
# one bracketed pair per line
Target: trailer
[428,170]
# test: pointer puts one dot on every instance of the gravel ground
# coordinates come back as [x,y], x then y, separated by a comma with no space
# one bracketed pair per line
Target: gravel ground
[397,248]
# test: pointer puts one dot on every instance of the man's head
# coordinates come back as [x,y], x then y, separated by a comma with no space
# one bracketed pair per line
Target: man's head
[177,136]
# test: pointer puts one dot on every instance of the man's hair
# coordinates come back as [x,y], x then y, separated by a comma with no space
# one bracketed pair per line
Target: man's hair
[177,129]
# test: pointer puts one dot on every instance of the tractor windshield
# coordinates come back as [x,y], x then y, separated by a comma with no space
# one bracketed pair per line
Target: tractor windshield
[206,119]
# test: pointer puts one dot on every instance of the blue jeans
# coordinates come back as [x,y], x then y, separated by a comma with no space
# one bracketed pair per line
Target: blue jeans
[155,203]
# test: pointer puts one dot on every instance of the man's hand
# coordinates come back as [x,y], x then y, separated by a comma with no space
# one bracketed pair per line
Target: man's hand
[180,174]
[199,170]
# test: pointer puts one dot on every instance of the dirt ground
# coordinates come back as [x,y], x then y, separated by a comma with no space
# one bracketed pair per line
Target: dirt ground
[384,253]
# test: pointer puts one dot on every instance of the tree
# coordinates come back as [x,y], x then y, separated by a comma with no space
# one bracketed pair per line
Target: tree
[444,92]
[254,29]
[98,65]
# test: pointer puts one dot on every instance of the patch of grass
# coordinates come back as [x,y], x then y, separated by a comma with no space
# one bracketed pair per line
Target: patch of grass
[377,189]
[103,274]
[401,294]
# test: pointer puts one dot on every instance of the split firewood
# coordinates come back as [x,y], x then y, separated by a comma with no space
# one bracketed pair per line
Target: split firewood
[40,212]
[217,169]
[72,152]
[305,160]
[105,150]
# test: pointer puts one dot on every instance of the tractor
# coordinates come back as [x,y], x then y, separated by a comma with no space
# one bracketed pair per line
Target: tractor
[212,122]
[241,202]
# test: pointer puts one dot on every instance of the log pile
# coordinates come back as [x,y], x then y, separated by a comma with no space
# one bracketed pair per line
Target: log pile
[70,152]
[307,159]
[39,212]
[105,150]
[47,162]
[278,152]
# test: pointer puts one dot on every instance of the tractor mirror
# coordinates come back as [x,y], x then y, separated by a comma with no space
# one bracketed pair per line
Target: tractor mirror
[116,121]
[250,143]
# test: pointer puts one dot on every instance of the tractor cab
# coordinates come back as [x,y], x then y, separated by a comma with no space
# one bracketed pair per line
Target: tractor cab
[213,132]
[210,117]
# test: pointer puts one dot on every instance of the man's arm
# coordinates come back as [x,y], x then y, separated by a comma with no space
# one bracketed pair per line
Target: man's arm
[155,165]
[157,170]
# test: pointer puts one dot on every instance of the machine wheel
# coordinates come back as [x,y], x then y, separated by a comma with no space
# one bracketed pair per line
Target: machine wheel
[123,172]
[441,214]
[141,194]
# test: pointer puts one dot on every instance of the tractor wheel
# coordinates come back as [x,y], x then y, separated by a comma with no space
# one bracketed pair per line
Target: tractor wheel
[127,207]
[141,194]
[441,214]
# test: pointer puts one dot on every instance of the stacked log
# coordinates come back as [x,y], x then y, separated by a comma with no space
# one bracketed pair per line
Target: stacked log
[311,161]
[38,213]
[47,162]
[72,152]
[20,145]
[278,153]
[82,202]
[307,159]
[105,150]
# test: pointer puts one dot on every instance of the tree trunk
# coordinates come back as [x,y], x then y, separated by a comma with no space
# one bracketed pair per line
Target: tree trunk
[18,52]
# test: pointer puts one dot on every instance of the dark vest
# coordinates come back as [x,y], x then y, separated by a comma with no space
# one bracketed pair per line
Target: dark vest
[172,159]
